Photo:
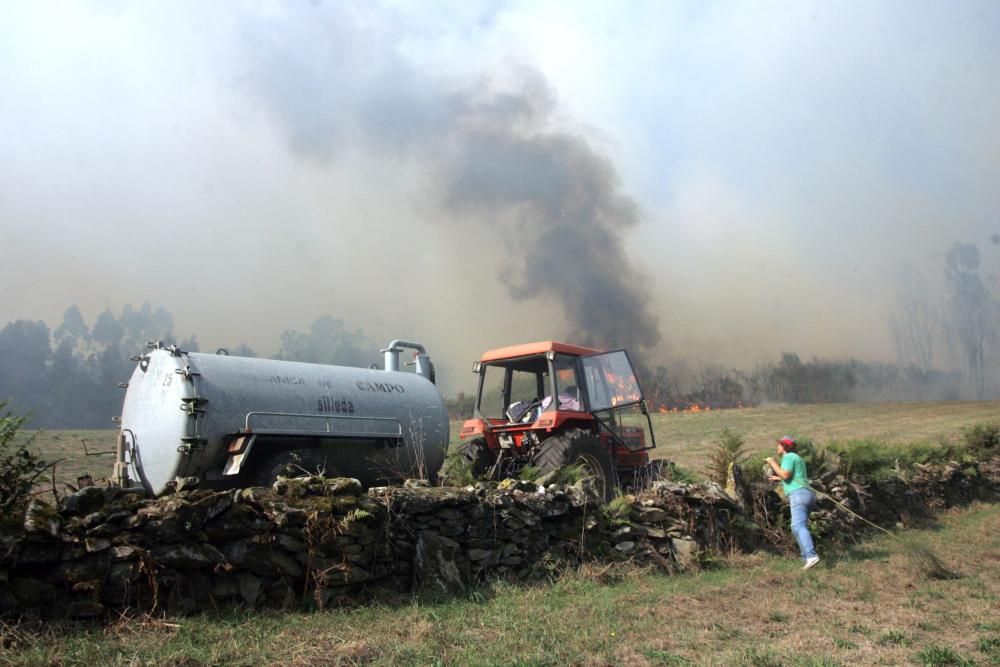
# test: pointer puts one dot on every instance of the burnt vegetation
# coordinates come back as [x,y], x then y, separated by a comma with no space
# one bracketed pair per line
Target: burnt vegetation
[794,381]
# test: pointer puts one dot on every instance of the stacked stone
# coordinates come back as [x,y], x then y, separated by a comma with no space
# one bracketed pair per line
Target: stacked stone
[195,549]
[911,496]
[673,525]
[322,541]
[447,539]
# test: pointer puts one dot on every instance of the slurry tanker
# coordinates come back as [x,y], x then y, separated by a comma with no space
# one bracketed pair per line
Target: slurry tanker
[220,421]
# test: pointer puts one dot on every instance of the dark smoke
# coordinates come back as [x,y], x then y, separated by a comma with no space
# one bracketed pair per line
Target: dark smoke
[564,211]
[495,155]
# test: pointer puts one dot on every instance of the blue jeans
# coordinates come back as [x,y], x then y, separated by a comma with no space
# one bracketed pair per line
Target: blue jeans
[802,501]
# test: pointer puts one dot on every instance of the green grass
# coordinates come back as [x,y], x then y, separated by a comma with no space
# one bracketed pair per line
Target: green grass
[758,610]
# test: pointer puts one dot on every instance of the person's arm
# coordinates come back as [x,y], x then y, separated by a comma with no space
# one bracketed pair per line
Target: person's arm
[779,472]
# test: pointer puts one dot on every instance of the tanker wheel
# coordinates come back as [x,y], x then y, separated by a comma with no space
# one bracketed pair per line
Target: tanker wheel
[579,448]
[290,463]
[470,457]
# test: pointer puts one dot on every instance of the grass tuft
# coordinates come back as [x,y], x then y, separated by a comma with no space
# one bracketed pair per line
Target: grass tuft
[659,657]
[756,657]
[570,474]
[891,638]
[991,647]
[940,656]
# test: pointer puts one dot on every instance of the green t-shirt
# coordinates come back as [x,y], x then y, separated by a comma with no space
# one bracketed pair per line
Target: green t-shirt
[794,464]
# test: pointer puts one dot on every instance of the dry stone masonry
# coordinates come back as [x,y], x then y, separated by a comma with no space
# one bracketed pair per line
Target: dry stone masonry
[320,542]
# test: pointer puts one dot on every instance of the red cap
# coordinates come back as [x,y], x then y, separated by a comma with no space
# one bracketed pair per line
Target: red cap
[788,441]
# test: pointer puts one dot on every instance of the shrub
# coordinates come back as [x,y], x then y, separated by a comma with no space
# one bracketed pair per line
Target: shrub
[19,467]
[869,458]
[983,438]
[729,449]
[753,468]
[457,470]
[529,473]
[876,459]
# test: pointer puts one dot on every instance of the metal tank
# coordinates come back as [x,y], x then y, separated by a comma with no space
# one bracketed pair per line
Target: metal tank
[214,417]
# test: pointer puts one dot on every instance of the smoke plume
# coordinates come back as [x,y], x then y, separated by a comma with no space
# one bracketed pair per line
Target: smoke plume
[494,155]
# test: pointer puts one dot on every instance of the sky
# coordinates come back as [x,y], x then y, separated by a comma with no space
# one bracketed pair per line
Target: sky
[705,181]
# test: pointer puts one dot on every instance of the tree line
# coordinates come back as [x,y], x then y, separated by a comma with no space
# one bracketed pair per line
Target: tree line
[952,322]
[69,377]
[794,381]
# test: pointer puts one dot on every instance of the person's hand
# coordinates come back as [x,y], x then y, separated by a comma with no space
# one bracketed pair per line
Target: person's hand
[770,459]
[773,478]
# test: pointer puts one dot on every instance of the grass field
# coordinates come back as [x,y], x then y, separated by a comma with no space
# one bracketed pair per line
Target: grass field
[681,437]
[867,606]
[685,437]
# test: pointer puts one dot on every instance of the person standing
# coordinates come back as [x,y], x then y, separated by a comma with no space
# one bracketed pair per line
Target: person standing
[791,472]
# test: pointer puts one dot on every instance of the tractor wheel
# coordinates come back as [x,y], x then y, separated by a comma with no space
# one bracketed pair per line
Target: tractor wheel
[290,463]
[471,457]
[582,448]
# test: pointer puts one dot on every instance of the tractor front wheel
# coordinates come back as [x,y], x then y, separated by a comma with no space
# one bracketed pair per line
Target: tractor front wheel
[583,449]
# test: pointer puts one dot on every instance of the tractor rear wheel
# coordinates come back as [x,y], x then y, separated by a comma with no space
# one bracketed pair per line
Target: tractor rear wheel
[579,448]
[290,463]
[470,457]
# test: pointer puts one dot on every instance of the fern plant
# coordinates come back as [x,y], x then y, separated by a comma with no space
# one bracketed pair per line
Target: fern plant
[729,449]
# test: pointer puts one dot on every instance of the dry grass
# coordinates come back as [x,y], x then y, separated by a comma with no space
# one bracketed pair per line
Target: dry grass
[867,606]
[686,437]
[67,447]
[682,437]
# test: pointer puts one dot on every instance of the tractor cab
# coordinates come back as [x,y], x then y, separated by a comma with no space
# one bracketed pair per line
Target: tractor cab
[531,398]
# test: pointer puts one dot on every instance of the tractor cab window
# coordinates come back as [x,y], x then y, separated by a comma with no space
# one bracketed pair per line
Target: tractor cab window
[512,391]
[524,387]
[611,382]
[491,402]
[567,384]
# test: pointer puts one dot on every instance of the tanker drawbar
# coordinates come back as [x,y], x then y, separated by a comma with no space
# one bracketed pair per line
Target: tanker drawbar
[222,421]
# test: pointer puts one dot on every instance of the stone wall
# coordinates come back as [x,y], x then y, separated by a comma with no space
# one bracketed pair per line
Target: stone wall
[317,542]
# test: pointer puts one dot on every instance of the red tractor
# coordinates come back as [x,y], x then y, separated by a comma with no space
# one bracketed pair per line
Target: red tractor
[550,405]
